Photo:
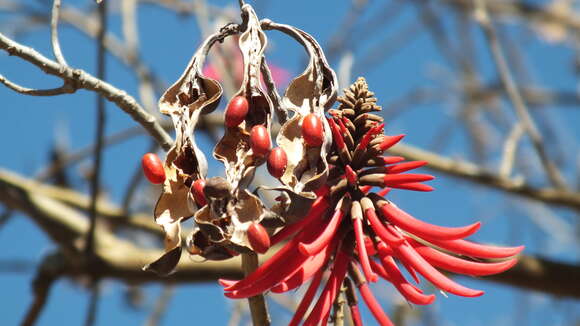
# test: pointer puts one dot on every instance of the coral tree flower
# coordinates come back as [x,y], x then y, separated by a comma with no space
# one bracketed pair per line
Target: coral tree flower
[353,236]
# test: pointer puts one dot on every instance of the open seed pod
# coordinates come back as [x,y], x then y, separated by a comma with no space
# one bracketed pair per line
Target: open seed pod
[235,148]
[306,144]
[192,95]
[224,221]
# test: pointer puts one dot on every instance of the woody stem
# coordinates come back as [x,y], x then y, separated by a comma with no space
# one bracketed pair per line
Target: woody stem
[258,309]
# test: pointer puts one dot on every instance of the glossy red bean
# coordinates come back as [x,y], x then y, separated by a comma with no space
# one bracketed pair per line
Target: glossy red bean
[153,168]
[277,162]
[259,238]
[236,111]
[260,140]
[197,191]
[312,130]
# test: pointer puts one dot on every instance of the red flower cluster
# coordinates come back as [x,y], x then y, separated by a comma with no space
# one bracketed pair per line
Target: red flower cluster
[349,226]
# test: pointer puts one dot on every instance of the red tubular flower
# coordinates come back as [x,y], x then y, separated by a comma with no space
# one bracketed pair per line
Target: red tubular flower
[350,226]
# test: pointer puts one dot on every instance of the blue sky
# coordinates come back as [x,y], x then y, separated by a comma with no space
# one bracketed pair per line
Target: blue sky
[29,126]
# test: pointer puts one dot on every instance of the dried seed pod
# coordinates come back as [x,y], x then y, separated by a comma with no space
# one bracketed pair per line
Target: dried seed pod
[277,162]
[312,130]
[153,168]
[236,111]
[197,190]
[260,140]
[258,238]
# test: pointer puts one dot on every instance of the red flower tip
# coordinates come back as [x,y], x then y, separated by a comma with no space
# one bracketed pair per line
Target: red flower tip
[389,141]
[350,175]
[338,139]
[392,159]
[403,167]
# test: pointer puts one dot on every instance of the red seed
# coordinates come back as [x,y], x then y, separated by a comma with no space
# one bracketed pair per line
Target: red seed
[259,238]
[236,111]
[277,161]
[312,130]
[260,140]
[197,191]
[153,168]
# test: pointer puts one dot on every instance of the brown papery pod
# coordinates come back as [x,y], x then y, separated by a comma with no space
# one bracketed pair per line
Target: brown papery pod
[192,95]
[225,220]
[234,149]
[312,92]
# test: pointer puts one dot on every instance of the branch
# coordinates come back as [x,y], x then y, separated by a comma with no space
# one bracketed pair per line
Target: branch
[82,79]
[475,173]
[64,89]
[121,260]
[54,33]
[514,95]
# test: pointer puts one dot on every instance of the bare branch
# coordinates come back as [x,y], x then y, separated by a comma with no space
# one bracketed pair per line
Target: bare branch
[48,272]
[474,173]
[121,260]
[64,89]
[509,150]
[54,33]
[82,79]
[514,95]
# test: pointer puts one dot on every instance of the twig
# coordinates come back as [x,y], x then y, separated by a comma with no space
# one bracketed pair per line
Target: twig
[100,130]
[258,309]
[82,79]
[93,308]
[518,103]
[160,306]
[96,177]
[477,174]
[509,150]
[49,271]
[64,89]
[338,309]
[54,33]
[83,153]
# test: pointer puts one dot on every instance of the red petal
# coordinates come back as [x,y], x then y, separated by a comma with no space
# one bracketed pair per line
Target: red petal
[389,142]
[403,167]
[423,229]
[408,290]
[362,252]
[406,252]
[374,306]
[473,249]
[307,299]
[324,238]
[462,266]
[316,210]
